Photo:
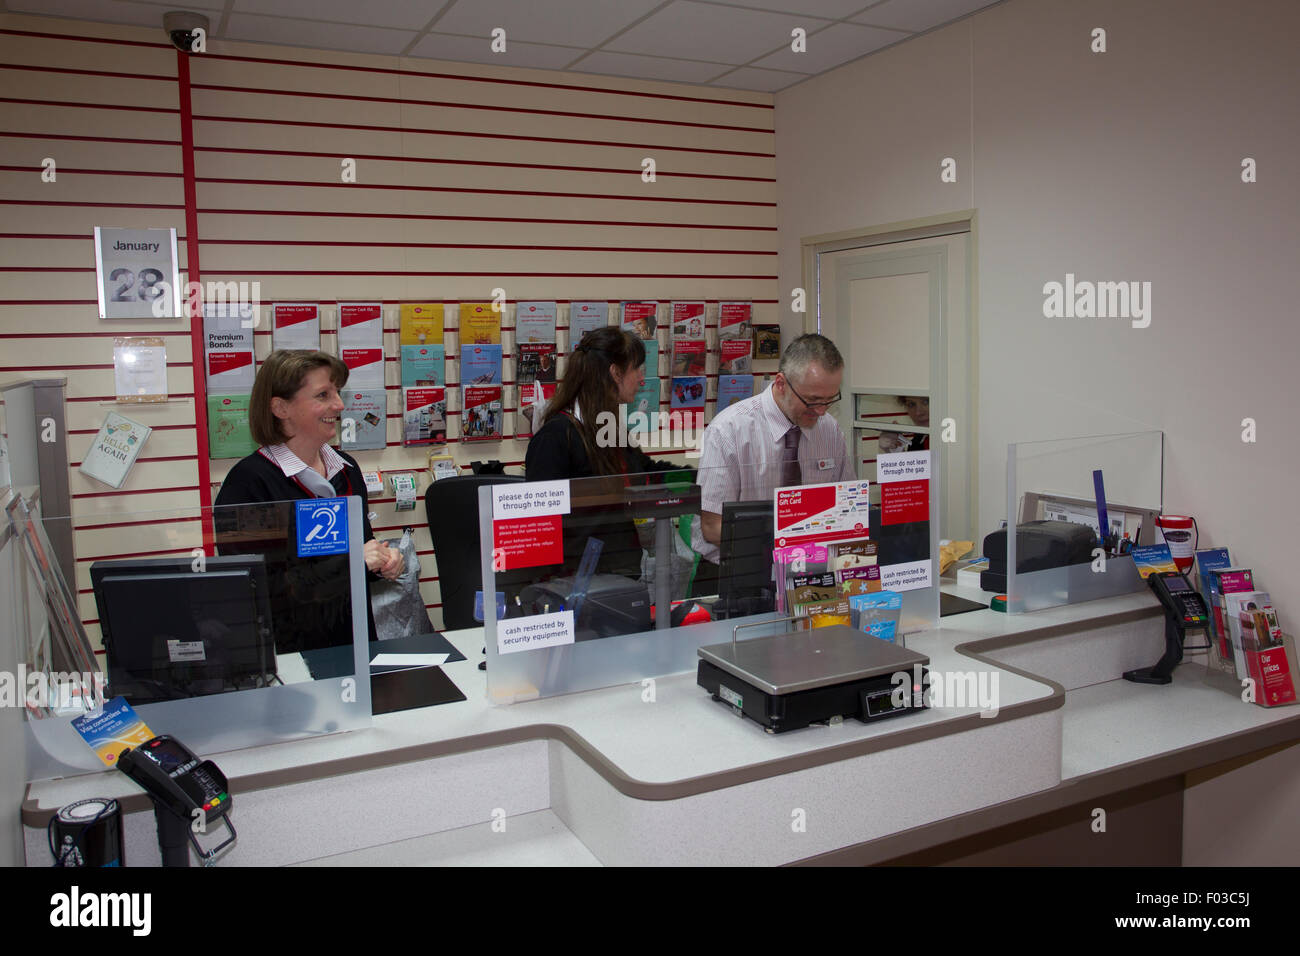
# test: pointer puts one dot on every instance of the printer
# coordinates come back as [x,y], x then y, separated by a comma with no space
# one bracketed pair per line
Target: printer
[612,606]
[1039,545]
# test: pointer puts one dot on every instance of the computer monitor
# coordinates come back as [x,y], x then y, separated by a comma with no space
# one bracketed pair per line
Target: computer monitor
[745,560]
[173,630]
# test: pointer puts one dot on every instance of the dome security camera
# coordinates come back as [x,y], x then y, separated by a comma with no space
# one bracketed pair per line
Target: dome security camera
[181,27]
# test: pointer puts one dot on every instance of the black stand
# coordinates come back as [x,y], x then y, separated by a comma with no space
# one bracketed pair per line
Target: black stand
[1162,672]
[173,836]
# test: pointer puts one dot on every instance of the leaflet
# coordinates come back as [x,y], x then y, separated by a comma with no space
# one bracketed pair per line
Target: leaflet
[295,325]
[584,317]
[361,343]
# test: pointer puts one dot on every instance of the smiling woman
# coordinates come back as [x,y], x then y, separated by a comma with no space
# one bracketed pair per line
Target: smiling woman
[293,414]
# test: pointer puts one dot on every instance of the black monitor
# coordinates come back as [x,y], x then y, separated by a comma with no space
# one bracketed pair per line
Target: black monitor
[173,630]
[745,560]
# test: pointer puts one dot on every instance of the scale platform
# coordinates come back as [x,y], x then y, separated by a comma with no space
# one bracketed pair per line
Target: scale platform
[788,681]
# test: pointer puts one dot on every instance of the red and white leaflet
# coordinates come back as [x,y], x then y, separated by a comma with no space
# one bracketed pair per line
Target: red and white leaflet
[688,320]
[838,511]
[734,356]
[228,344]
[295,325]
[640,318]
[735,321]
[361,343]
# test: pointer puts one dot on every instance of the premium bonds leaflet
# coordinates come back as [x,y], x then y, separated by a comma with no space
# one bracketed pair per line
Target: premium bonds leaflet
[361,343]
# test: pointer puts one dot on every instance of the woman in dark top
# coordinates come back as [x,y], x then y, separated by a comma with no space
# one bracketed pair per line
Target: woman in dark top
[293,413]
[582,436]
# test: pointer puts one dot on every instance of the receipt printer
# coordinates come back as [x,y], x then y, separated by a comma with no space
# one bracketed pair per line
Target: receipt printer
[1039,545]
[612,605]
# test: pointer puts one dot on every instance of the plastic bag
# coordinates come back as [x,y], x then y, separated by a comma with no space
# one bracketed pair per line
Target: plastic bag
[397,605]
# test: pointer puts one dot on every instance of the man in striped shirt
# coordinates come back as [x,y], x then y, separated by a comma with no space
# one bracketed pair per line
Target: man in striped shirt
[780,437]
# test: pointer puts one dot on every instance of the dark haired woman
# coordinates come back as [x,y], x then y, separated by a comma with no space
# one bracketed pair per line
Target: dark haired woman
[583,436]
[293,414]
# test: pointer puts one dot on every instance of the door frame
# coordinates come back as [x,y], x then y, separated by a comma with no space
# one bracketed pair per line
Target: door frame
[965,221]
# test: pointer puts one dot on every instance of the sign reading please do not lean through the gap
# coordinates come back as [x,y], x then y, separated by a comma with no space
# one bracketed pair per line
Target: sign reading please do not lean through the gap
[527,529]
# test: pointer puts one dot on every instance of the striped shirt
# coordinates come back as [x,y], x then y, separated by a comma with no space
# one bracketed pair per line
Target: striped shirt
[292,465]
[742,451]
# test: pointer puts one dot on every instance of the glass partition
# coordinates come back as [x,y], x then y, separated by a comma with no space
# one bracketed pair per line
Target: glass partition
[615,579]
[226,627]
[1059,554]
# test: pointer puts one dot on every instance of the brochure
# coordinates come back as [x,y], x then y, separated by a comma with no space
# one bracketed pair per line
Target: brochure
[228,432]
[640,318]
[423,365]
[1152,558]
[365,419]
[421,323]
[535,322]
[481,417]
[688,320]
[361,343]
[584,317]
[295,325]
[424,416]
[734,388]
[480,365]
[688,357]
[114,449]
[479,324]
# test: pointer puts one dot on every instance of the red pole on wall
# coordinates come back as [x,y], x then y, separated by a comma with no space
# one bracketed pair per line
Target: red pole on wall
[193,305]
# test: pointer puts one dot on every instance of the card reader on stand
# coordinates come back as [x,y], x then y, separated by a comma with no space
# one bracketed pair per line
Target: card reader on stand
[1184,611]
[187,795]
[787,681]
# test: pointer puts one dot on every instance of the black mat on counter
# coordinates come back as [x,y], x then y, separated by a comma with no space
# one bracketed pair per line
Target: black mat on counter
[414,687]
[951,604]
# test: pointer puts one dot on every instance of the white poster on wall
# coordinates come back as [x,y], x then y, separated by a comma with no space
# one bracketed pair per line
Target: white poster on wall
[228,347]
[136,273]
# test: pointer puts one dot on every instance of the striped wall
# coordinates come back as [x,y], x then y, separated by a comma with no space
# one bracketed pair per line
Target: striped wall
[469,178]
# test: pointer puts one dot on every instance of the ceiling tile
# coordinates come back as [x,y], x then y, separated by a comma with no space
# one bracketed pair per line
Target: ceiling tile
[439,46]
[748,78]
[918,15]
[322,36]
[831,9]
[397,14]
[831,47]
[709,32]
[573,22]
[649,67]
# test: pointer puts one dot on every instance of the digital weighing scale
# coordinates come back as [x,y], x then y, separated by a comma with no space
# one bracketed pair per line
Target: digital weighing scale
[791,680]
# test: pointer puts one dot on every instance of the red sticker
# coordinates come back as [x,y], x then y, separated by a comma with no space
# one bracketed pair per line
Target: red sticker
[904,501]
[527,542]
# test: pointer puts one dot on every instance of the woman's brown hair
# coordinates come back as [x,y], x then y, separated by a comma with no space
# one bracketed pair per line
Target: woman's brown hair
[587,383]
[280,376]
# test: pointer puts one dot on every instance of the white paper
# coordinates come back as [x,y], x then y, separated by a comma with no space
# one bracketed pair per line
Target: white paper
[361,343]
[537,630]
[374,484]
[530,500]
[409,660]
[404,489]
[228,348]
[903,466]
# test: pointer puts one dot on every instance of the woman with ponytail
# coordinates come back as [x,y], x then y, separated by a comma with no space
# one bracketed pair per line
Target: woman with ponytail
[582,433]
[583,436]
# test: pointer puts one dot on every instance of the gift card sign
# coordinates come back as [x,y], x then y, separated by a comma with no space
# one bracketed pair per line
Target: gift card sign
[322,525]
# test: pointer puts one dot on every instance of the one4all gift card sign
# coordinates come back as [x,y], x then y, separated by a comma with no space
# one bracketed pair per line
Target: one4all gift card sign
[807,514]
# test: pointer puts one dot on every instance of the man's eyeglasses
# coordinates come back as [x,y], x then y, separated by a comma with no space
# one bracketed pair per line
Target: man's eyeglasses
[812,406]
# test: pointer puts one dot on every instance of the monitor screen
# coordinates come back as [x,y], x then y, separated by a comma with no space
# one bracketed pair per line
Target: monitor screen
[171,631]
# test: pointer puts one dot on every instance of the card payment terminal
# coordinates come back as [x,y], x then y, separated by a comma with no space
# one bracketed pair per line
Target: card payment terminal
[1184,610]
[188,795]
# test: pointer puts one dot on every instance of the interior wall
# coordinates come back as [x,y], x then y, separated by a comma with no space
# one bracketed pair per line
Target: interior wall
[469,178]
[1116,166]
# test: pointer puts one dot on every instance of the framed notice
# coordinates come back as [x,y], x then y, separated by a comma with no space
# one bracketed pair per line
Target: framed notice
[140,369]
[136,273]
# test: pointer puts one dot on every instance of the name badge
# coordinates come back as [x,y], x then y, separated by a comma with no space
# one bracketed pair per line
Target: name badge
[825,464]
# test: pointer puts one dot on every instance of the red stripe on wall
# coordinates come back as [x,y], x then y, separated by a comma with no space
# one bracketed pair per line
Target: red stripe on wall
[435,218]
[473,245]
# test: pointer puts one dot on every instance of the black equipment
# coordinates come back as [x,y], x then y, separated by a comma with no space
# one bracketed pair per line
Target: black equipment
[1184,610]
[188,795]
[1039,545]
[182,627]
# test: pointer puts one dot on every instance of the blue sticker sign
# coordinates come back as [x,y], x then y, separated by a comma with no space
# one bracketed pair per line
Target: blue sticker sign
[322,527]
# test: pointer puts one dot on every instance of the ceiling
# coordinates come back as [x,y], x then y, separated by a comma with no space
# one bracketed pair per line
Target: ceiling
[740,44]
